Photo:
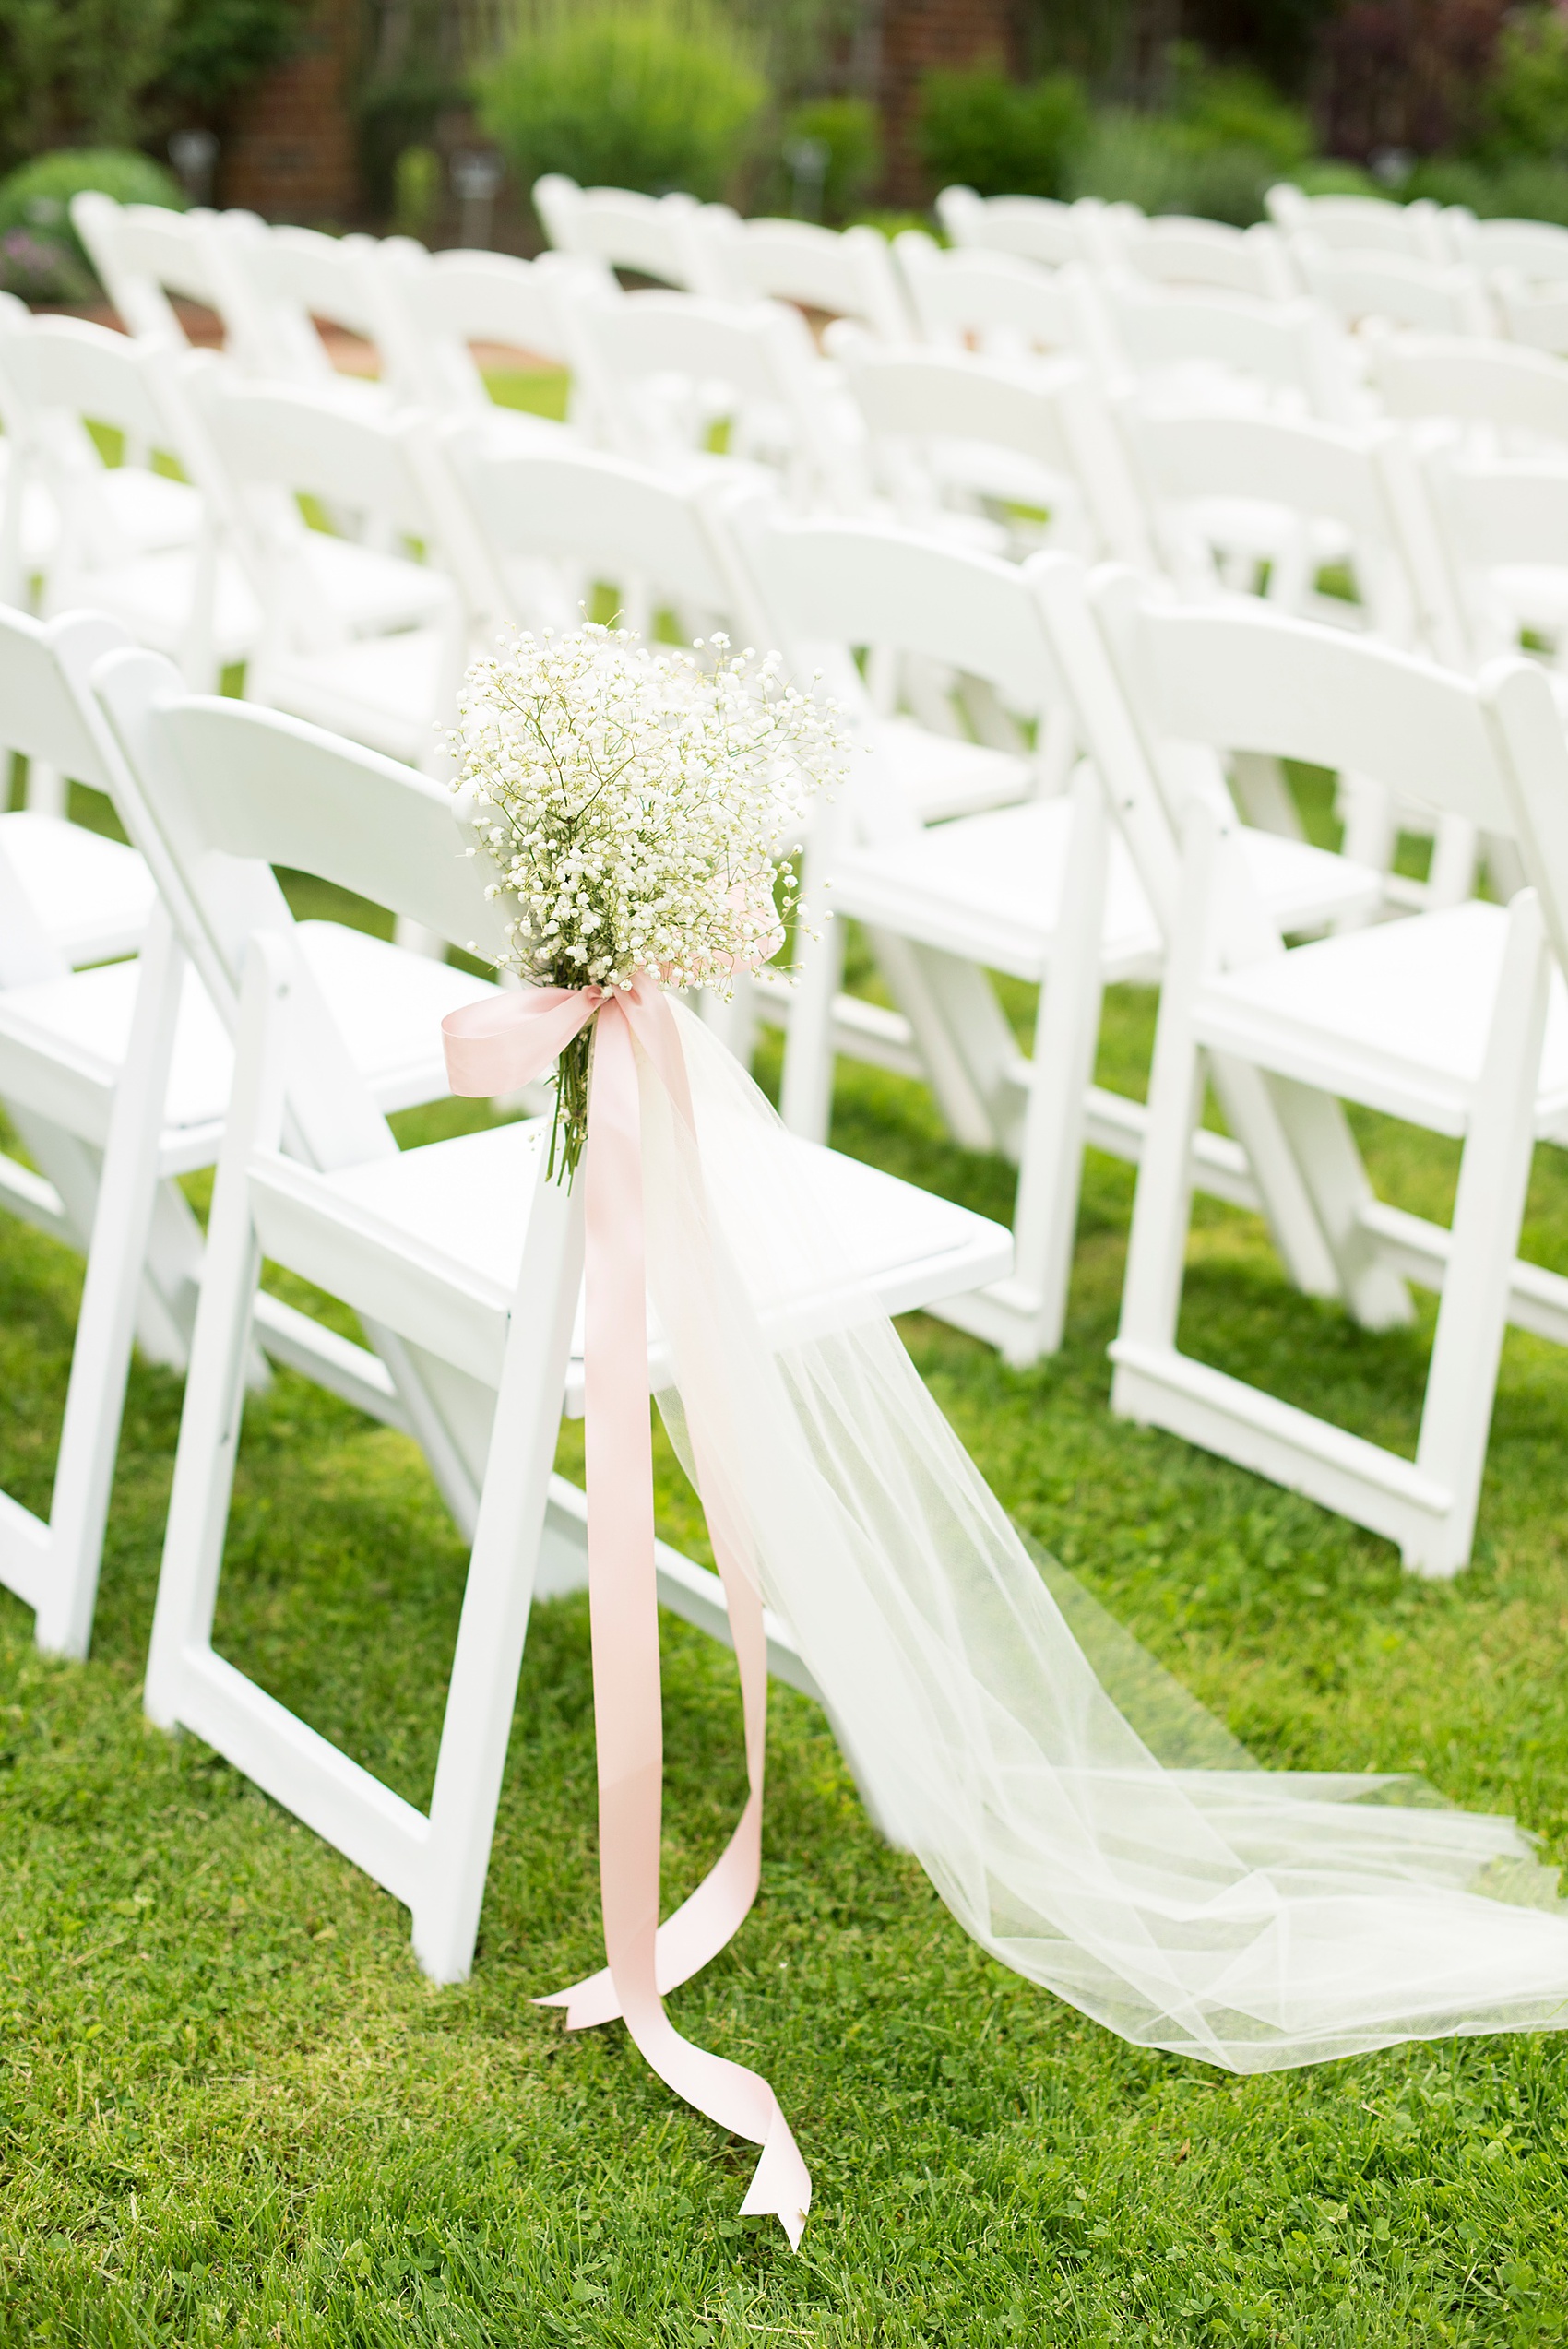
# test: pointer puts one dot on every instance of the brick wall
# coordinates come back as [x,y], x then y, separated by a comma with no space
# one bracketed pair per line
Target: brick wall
[289,151]
[918,36]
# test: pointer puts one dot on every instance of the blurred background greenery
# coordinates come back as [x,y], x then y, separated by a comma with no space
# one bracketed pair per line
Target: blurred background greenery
[798,105]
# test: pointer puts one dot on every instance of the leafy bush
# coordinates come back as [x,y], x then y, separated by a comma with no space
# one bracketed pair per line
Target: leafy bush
[648,94]
[1225,141]
[99,74]
[214,47]
[1524,108]
[850,129]
[416,190]
[1533,188]
[978,129]
[1220,109]
[40,256]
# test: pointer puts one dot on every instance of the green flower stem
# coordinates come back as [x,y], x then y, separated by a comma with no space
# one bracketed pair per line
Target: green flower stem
[568,1125]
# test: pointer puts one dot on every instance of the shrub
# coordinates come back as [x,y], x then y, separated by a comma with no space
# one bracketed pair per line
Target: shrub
[416,192]
[214,47]
[978,129]
[1524,108]
[850,129]
[99,74]
[40,256]
[1533,188]
[1220,107]
[1225,141]
[647,94]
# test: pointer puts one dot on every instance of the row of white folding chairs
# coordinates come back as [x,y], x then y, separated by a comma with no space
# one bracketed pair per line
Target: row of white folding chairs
[424,314]
[1418,265]
[275,1049]
[1454,1019]
[370,642]
[1440,1019]
[657,372]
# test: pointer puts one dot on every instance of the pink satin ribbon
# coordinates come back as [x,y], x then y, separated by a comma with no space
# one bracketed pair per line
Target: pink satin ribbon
[491,1048]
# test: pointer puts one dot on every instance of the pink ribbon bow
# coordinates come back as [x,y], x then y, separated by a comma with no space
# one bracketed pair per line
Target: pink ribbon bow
[491,1048]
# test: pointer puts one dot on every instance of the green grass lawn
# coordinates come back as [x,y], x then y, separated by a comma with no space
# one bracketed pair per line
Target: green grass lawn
[232,2110]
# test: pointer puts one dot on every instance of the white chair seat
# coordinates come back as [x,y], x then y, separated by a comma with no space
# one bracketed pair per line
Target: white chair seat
[152,596]
[75,1033]
[92,895]
[151,510]
[943,776]
[1394,1017]
[371,591]
[380,692]
[989,888]
[431,1240]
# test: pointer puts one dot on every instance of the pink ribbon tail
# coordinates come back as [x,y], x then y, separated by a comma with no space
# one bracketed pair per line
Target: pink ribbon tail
[491,1047]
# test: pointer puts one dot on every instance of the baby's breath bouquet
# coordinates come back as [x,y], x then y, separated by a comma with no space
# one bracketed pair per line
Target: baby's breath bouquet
[637,805]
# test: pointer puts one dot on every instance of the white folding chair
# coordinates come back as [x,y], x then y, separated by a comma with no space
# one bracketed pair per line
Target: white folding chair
[1034,228]
[319,651]
[132,540]
[556,520]
[439,306]
[1438,1021]
[653,235]
[1434,297]
[1508,400]
[665,369]
[291,278]
[1536,250]
[1190,253]
[144,254]
[954,437]
[1229,494]
[1226,492]
[117,1081]
[844,273]
[460,1248]
[1038,891]
[1362,224]
[1217,349]
[1502,524]
[1534,316]
[994,303]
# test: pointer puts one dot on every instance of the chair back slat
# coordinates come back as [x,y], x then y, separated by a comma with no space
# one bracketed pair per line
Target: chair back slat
[604,514]
[40,715]
[1263,681]
[83,371]
[227,782]
[1472,381]
[867,584]
[288,437]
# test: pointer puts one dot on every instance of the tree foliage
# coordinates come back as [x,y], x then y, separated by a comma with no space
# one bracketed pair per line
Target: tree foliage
[105,74]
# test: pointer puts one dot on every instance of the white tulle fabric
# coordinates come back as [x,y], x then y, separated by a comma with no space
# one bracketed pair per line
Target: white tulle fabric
[1255,1918]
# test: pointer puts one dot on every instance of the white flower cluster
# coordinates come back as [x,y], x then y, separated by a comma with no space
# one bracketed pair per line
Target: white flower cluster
[636,805]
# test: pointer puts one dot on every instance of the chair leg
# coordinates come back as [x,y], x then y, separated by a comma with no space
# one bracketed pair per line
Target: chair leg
[1320,1136]
[499,1593]
[209,1422]
[964,1043]
[807,1099]
[101,1357]
[1487,1211]
[1067,1031]
[1151,1294]
[46,789]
